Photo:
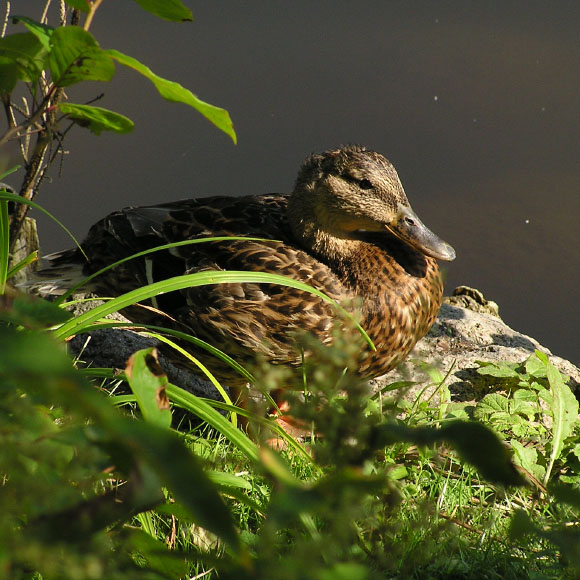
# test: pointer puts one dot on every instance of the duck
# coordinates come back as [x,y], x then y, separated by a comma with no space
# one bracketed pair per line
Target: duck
[347,230]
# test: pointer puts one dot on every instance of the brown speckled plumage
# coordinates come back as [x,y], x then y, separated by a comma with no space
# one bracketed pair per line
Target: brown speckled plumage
[347,230]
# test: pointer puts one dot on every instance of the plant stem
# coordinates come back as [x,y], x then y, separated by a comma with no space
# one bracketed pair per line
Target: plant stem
[94,7]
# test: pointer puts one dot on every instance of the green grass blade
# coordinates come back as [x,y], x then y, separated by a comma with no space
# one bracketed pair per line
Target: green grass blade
[4,244]
[225,396]
[276,429]
[106,323]
[83,322]
[204,411]
[84,282]
[32,257]
[18,199]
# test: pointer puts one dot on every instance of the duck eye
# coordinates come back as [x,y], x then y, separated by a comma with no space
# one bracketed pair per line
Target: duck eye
[365,184]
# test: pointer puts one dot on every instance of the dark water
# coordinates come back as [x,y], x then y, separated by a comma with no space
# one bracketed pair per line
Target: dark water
[476,104]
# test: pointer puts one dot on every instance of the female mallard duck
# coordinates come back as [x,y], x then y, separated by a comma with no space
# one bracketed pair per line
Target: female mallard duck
[347,229]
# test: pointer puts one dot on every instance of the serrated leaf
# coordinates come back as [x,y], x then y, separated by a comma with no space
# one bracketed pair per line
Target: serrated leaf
[535,367]
[525,395]
[523,407]
[22,58]
[175,93]
[149,384]
[97,119]
[492,403]
[527,458]
[497,370]
[172,10]
[75,56]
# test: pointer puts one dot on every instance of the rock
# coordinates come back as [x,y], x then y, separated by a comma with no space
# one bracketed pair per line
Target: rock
[468,329]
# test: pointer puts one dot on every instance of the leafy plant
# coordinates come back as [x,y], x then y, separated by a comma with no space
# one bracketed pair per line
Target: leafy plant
[49,59]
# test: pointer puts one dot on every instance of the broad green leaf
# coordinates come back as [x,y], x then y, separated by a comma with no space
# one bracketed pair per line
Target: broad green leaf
[521,525]
[344,571]
[42,31]
[76,56]
[536,367]
[497,370]
[175,93]
[21,58]
[97,119]
[163,452]
[564,413]
[527,458]
[172,10]
[82,5]
[149,383]
[491,404]
[475,443]
[32,312]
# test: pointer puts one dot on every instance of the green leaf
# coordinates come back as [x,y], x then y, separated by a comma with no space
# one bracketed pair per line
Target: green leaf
[474,442]
[18,199]
[83,321]
[492,404]
[564,412]
[42,31]
[76,56]
[521,525]
[527,458]
[175,93]
[229,480]
[82,5]
[155,555]
[32,257]
[4,243]
[178,469]
[97,119]
[344,571]
[536,367]
[22,58]
[32,312]
[206,413]
[149,383]
[502,370]
[172,10]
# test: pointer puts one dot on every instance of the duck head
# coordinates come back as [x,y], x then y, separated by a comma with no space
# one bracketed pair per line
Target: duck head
[342,192]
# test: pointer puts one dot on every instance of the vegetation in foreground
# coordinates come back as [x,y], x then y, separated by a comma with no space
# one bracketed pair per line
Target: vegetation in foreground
[97,484]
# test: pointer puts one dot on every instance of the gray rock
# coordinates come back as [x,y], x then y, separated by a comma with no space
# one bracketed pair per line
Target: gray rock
[468,329]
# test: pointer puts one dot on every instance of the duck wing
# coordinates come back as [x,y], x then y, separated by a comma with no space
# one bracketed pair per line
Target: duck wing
[241,319]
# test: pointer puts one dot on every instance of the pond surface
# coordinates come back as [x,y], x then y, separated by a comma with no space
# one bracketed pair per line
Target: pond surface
[476,104]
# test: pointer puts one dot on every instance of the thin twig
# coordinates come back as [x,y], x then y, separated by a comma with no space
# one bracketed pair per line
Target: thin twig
[13,131]
[94,7]
[6,18]
[44,17]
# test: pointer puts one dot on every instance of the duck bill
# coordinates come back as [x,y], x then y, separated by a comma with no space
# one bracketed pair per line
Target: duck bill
[409,228]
